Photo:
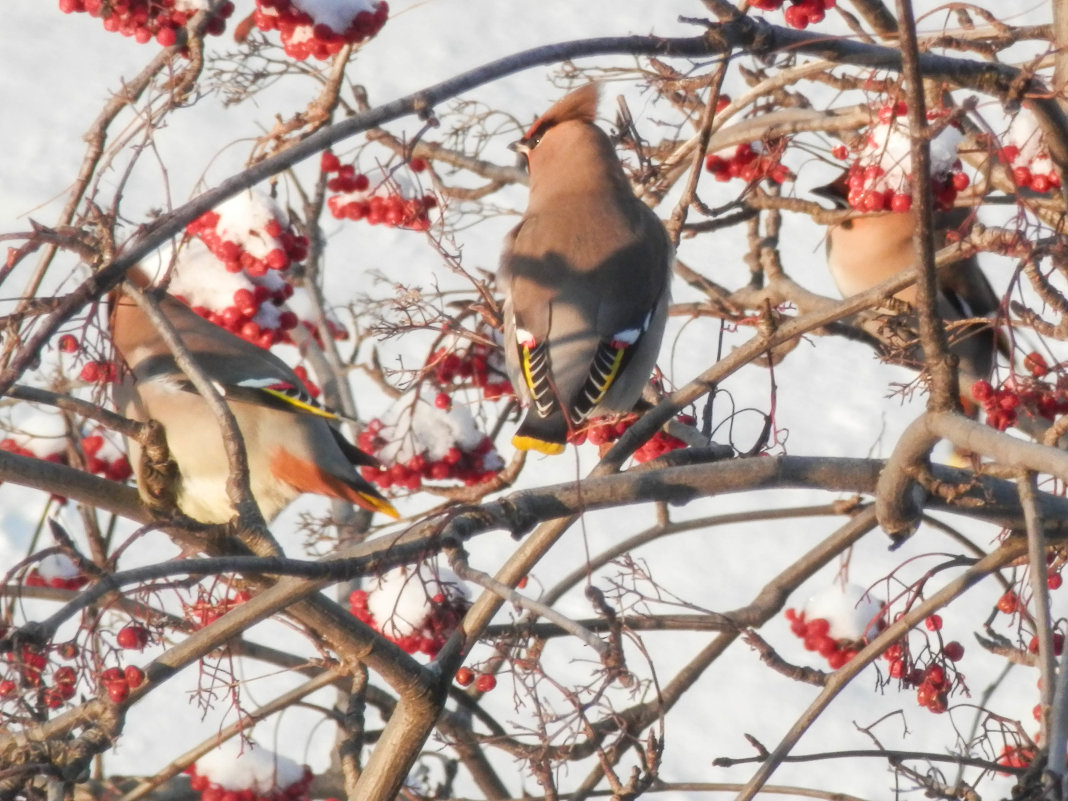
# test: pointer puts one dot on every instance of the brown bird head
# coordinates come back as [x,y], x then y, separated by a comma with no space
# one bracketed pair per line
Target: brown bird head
[566,152]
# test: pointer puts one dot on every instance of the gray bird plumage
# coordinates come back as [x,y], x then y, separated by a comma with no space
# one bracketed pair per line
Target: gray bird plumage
[586,278]
[291,445]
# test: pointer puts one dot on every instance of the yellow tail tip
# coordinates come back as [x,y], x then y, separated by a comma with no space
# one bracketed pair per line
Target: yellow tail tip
[541,446]
[376,504]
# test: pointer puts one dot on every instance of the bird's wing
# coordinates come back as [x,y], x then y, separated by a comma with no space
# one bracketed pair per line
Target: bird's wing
[580,319]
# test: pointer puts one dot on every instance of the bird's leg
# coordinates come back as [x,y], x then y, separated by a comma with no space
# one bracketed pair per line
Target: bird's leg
[158,484]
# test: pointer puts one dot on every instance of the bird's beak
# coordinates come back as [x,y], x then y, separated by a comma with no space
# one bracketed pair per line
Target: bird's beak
[834,192]
[522,151]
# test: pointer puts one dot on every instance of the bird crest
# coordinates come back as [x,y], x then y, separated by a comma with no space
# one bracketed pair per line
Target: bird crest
[581,105]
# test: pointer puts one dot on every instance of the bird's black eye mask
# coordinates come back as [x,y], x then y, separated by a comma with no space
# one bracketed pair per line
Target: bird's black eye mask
[531,140]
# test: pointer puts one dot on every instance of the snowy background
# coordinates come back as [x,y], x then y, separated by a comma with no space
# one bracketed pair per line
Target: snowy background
[834,396]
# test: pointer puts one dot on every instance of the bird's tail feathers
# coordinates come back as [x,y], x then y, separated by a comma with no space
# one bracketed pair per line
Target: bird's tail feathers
[543,434]
[309,477]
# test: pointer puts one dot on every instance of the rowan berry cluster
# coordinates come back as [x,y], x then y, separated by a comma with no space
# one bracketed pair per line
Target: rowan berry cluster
[119,681]
[304,35]
[1033,396]
[442,614]
[799,13]
[484,682]
[214,791]
[382,202]
[816,636]
[145,20]
[750,161]
[468,466]
[933,681]
[478,364]
[880,177]
[115,468]
[602,431]
[206,610]
[1027,155]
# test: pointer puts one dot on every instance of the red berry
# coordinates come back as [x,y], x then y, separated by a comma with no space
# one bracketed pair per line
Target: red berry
[954,651]
[486,682]
[92,444]
[328,162]
[464,676]
[166,36]
[443,401]
[68,344]
[900,203]
[65,675]
[933,623]
[118,691]
[132,637]
[874,201]
[1036,363]
[1008,603]
[134,676]
[1054,581]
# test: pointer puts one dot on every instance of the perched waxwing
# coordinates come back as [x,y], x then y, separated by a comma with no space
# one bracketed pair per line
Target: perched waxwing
[586,278]
[291,442]
[867,250]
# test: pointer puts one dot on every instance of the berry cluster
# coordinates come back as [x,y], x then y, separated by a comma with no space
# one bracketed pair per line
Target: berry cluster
[29,669]
[867,194]
[205,611]
[92,372]
[115,468]
[1016,756]
[99,372]
[240,317]
[1026,153]
[1025,173]
[27,665]
[468,465]
[384,203]
[484,682]
[281,247]
[214,791]
[933,689]
[816,635]
[250,238]
[1032,396]
[751,162]
[602,431]
[57,571]
[145,20]
[304,35]
[443,613]
[478,364]
[800,13]
[880,177]
[934,681]
[118,682]
[132,638]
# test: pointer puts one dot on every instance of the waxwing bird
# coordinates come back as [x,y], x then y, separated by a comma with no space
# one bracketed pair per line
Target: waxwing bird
[586,278]
[866,250]
[291,443]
